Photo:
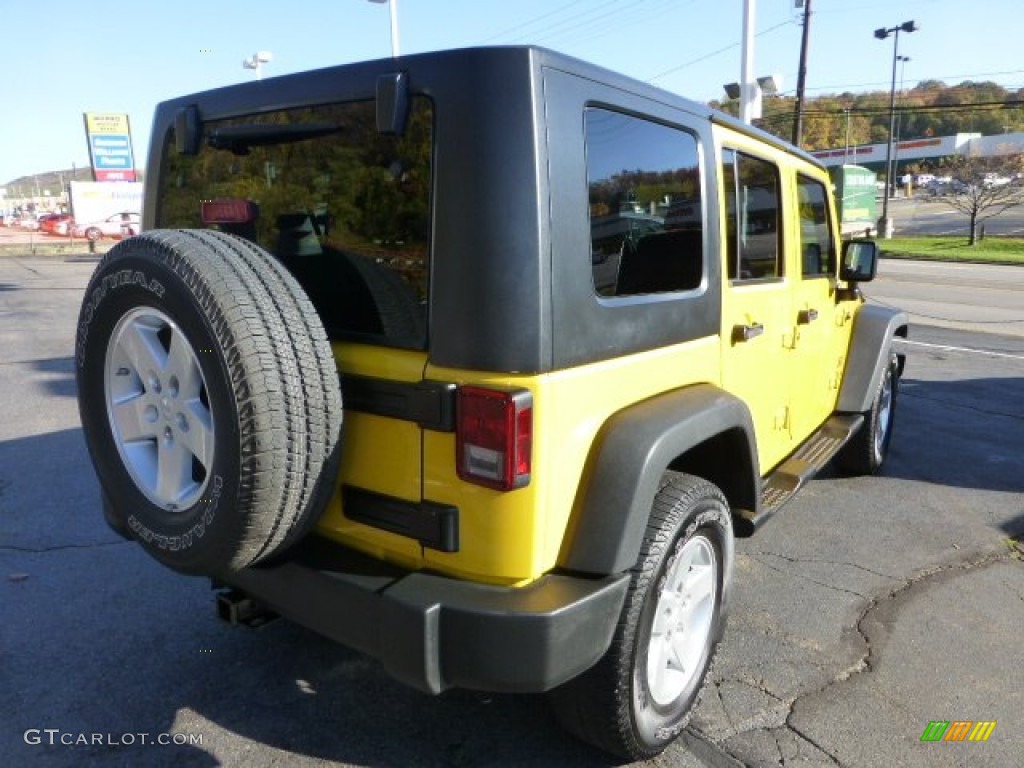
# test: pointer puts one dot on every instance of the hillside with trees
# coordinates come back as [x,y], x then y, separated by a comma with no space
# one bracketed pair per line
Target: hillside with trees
[930,108]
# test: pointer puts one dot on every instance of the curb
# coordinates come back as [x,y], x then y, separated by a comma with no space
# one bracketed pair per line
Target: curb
[49,252]
[929,257]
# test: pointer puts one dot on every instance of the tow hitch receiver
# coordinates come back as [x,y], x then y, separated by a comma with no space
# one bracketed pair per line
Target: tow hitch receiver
[238,609]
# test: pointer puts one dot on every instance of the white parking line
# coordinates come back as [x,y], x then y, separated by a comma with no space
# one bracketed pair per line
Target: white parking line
[947,348]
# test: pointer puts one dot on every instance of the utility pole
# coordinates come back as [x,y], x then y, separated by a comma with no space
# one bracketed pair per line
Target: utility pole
[846,151]
[801,81]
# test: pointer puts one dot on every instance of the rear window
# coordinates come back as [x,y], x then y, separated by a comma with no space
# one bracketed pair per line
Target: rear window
[343,207]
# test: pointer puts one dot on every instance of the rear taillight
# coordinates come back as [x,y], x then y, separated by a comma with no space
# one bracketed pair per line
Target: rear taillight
[227,211]
[494,437]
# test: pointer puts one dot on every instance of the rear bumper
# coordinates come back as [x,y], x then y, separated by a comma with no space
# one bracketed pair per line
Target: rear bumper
[433,632]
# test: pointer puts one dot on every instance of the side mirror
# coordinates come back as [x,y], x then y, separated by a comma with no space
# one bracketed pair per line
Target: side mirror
[860,260]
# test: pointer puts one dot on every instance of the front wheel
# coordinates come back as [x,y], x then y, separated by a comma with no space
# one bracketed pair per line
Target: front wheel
[637,699]
[92,234]
[869,447]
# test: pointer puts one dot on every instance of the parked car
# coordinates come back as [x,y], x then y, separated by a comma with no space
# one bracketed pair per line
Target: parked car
[118,226]
[55,223]
[995,180]
[948,186]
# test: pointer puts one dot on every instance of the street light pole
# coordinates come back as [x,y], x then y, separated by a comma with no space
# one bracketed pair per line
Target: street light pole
[885,223]
[899,127]
[750,93]
[393,8]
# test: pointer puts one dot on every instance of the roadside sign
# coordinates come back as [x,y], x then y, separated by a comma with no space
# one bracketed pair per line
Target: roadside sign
[855,195]
[110,146]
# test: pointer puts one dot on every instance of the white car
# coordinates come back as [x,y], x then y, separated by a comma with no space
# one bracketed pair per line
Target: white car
[995,180]
[118,226]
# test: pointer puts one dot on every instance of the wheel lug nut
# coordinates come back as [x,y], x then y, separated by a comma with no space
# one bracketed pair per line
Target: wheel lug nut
[173,386]
[182,422]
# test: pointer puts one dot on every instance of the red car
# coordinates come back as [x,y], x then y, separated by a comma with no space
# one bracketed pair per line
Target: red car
[55,223]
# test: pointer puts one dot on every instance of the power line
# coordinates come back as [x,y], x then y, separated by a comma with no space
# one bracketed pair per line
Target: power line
[615,25]
[531,21]
[905,110]
[716,52]
[989,106]
[941,78]
[582,24]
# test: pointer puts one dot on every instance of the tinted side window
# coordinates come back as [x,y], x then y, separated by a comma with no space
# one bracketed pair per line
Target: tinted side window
[343,207]
[817,251]
[646,215]
[753,217]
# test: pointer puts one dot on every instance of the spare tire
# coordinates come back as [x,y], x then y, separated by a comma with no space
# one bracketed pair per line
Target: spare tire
[209,399]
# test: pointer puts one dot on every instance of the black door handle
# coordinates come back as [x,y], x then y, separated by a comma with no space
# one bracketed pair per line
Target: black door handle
[746,332]
[807,316]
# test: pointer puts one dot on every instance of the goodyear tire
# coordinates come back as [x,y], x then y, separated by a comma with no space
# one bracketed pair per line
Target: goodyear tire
[208,397]
[636,700]
[867,450]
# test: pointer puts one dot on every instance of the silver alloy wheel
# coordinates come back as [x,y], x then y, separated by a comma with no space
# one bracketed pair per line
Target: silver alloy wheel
[884,416]
[159,409]
[682,621]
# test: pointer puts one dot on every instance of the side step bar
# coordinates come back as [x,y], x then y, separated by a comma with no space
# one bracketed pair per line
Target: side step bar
[782,484]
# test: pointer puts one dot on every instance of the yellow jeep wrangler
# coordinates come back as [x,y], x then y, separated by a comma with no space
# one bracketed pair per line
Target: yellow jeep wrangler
[477,361]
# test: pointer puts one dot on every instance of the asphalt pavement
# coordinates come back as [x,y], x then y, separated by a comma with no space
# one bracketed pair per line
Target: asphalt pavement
[983,298]
[874,606]
[866,610]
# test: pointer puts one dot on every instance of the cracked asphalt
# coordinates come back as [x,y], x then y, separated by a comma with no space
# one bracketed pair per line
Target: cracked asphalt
[866,609]
[873,606]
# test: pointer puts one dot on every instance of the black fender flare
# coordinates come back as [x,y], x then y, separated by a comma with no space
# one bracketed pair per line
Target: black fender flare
[869,355]
[625,467]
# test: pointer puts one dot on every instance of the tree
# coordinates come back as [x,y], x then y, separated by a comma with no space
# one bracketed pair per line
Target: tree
[984,187]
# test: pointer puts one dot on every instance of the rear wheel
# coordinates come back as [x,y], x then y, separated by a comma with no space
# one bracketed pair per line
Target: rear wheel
[92,234]
[637,699]
[209,399]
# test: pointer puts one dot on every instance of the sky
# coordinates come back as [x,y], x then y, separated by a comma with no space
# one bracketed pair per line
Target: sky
[61,58]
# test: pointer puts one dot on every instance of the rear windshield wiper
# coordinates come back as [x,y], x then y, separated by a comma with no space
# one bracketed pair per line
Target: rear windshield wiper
[238,139]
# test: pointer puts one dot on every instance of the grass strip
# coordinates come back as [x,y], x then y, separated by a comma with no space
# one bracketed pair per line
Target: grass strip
[991,250]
